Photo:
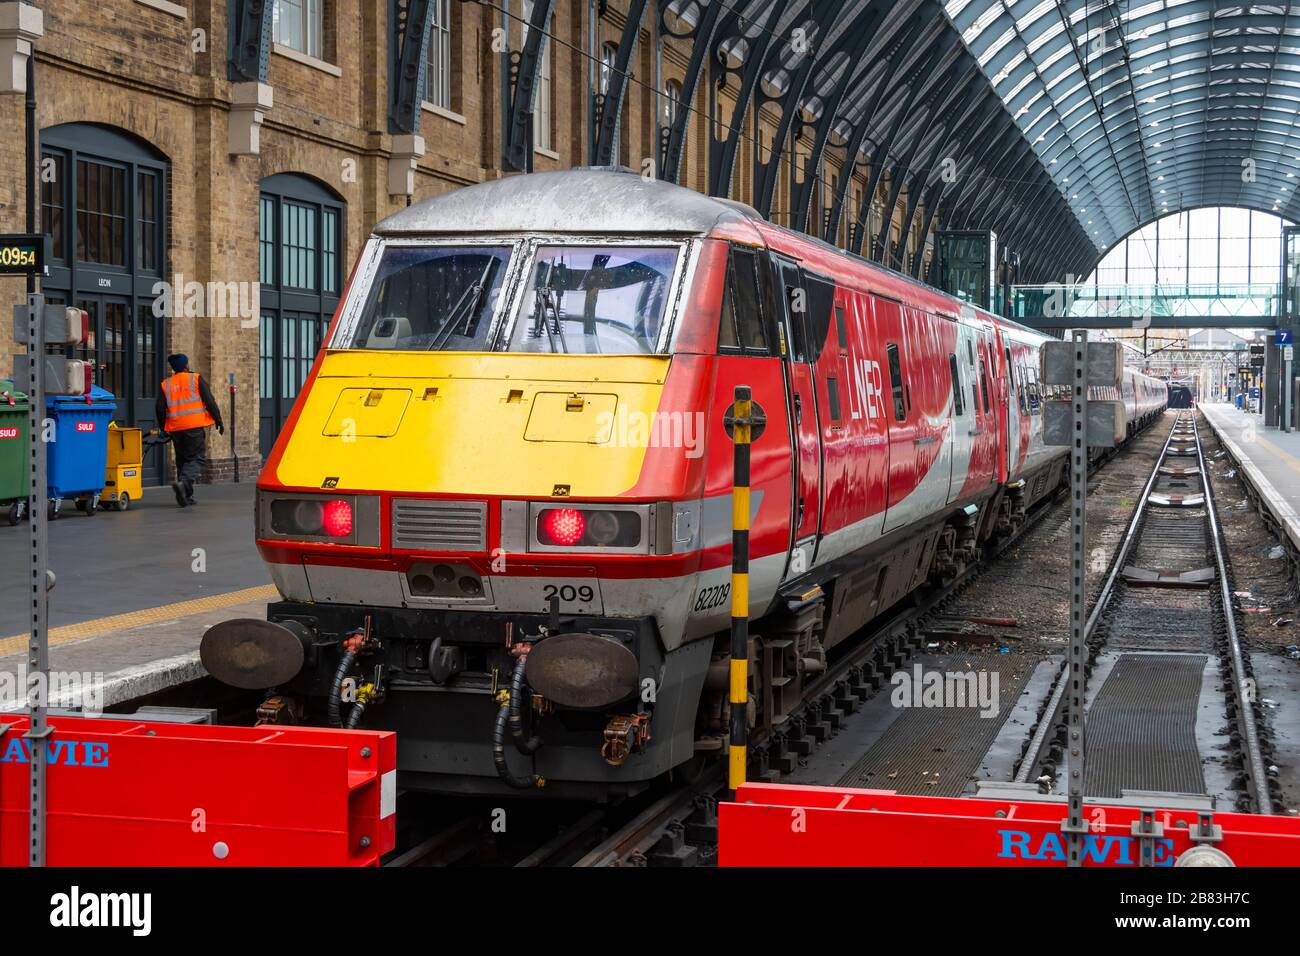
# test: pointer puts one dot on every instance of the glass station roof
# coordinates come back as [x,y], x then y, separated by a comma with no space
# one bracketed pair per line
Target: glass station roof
[1094,117]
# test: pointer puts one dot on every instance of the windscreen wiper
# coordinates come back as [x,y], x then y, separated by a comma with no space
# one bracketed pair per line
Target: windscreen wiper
[471,297]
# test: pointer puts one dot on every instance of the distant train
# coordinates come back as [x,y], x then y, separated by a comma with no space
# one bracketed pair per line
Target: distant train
[1182,395]
[500,513]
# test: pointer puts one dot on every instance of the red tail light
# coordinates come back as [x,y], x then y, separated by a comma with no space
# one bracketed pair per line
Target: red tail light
[561,526]
[337,518]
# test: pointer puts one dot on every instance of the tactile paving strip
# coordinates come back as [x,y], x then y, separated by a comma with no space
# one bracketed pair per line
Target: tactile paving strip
[938,750]
[1142,726]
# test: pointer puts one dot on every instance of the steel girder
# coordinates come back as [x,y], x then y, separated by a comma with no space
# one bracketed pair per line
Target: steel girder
[609,105]
[972,110]
[410,35]
[249,40]
[959,97]
[906,91]
[901,45]
[672,139]
[853,44]
[822,14]
[722,155]
[525,65]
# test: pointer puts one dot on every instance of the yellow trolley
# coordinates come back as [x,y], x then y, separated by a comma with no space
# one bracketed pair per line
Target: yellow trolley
[122,483]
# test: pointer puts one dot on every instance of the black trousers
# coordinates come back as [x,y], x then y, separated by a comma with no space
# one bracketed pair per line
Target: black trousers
[191,447]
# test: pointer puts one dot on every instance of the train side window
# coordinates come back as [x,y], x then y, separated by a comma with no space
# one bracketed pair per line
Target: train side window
[1011,372]
[1034,394]
[749,311]
[820,303]
[984,384]
[957,408]
[833,400]
[896,383]
[840,330]
[728,339]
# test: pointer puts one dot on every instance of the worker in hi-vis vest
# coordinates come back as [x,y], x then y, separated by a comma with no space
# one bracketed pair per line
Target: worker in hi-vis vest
[185,409]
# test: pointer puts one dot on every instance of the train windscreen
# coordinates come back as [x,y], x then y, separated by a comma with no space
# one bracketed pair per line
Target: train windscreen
[433,298]
[590,300]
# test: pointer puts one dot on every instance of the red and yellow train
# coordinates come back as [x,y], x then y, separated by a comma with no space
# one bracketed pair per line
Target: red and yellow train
[499,514]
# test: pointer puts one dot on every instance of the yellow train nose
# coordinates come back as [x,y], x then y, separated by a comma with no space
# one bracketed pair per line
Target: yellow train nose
[497,424]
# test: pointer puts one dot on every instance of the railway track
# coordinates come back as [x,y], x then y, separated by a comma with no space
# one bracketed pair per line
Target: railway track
[1162,626]
[678,825]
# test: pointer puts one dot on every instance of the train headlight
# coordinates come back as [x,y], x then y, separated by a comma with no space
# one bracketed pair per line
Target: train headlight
[333,519]
[561,526]
[589,528]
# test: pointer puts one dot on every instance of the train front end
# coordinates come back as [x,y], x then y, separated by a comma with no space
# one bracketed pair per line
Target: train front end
[483,515]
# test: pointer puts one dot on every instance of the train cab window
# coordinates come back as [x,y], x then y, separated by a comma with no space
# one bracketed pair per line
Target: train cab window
[432,298]
[1011,376]
[957,408]
[840,331]
[743,290]
[896,383]
[1021,396]
[592,299]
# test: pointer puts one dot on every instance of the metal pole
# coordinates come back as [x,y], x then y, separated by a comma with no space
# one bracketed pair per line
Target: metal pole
[1075,675]
[742,411]
[37,648]
[233,453]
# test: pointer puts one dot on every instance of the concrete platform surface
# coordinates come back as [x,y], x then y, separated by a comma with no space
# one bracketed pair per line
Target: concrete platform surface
[136,590]
[1269,459]
[152,555]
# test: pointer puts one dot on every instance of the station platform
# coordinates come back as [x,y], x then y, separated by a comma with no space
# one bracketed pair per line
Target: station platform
[1269,460]
[134,591]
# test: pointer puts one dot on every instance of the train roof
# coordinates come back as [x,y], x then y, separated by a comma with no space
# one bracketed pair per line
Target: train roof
[592,199]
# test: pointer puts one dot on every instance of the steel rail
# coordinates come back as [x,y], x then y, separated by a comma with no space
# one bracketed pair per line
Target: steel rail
[644,831]
[1052,713]
[1256,775]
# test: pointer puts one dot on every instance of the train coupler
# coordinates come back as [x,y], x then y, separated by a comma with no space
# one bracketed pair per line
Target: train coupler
[625,734]
[280,709]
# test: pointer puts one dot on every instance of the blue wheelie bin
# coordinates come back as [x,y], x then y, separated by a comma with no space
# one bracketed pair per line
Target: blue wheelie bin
[79,453]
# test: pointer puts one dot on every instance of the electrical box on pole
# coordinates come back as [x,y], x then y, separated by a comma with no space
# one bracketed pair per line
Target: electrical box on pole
[63,325]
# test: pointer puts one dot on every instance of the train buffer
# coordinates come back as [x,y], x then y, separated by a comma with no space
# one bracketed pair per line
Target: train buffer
[779,825]
[127,792]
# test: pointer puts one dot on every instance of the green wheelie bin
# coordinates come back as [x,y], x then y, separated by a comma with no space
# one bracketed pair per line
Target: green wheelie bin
[13,451]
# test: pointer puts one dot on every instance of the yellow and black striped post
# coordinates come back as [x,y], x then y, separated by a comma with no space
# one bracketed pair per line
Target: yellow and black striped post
[741,421]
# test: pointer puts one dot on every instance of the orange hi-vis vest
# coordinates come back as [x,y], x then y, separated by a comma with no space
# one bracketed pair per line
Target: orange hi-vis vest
[185,407]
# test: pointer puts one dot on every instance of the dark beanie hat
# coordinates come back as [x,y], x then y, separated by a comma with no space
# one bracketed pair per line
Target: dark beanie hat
[178,361]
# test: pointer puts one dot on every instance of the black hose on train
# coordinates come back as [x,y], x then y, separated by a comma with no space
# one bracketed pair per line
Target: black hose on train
[333,707]
[354,715]
[524,782]
[525,745]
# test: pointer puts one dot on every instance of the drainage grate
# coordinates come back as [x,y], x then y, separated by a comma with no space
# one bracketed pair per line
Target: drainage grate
[1142,726]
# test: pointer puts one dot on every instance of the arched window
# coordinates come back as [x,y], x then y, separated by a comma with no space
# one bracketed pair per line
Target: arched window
[438,73]
[104,205]
[672,103]
[608,58]
[542,138]
[300,260]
